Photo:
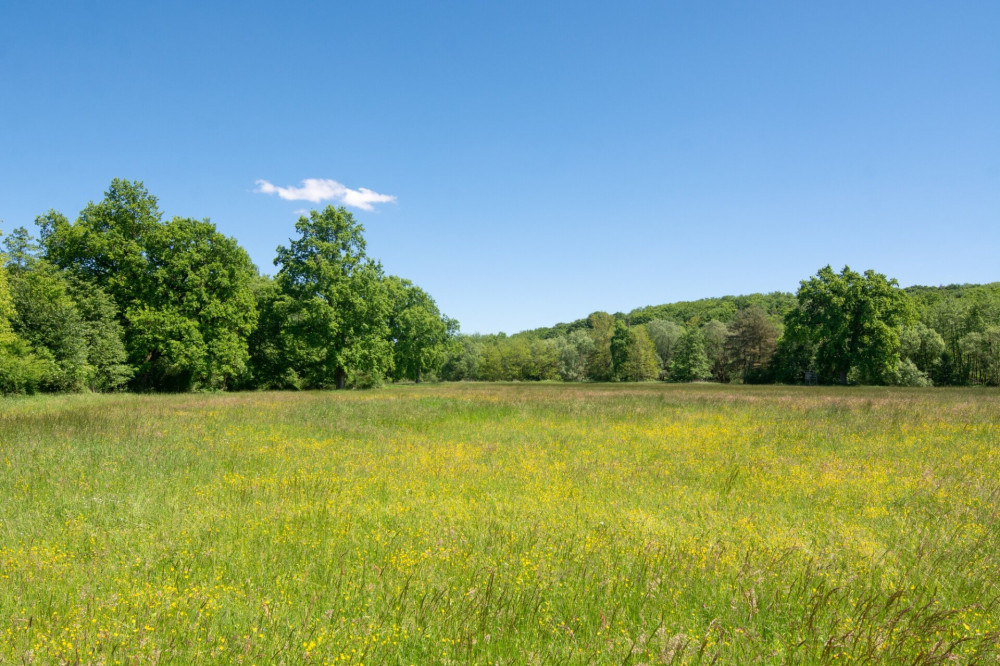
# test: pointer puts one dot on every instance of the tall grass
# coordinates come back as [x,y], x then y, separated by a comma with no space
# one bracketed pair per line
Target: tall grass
[633,524]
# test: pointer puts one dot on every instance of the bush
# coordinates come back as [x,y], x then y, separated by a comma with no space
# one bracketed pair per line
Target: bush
[908,374]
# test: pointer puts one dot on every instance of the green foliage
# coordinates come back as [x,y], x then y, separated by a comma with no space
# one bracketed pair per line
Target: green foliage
[690,362]
[22,249]
[190,328]
[716,334]
[48,320]
[463,358]
[70,327]
[273,342]
[751,345]
[182,289]
[954,312]
[981,352]
[633,354]
[908,374]
[618,348]
[599,364]
[103,335]
[573,350]
[519,358]
[642,363]
[665,334]
[336,305]
[121,296]
[419,332]
[107,244]
[723,309]
[922,345]
[853,321]
[21,371]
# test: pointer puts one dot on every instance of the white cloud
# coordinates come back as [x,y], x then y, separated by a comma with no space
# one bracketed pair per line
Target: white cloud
[318,190]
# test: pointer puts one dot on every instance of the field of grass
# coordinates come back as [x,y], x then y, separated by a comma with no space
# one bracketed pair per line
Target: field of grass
[512,524]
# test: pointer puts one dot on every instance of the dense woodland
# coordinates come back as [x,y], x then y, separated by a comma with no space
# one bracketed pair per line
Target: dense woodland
[838,328]
[121,299]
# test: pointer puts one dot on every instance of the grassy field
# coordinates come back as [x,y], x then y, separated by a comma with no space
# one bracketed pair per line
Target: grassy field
[514,524]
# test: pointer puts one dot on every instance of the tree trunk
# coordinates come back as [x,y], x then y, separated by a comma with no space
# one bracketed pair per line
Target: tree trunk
[340,377]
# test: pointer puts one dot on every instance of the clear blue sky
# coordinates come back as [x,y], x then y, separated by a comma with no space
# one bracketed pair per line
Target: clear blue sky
[546,159]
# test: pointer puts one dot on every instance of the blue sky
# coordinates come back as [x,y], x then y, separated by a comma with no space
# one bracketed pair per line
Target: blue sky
[531,162]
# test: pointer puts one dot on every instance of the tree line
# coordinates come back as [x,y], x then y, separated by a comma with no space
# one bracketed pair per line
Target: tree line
[839,328]
[122,299]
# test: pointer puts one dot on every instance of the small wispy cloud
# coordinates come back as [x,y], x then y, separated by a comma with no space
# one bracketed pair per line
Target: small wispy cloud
[318,190]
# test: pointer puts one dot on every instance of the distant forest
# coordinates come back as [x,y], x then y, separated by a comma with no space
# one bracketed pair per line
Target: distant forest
[839,328]
[121,299]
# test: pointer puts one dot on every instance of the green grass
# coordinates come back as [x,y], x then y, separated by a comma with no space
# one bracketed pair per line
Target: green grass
[484,523]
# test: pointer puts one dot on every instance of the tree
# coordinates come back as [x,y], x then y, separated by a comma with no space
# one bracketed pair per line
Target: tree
[337,303]
[22,249]
[633,355]
[273,343]
[599,364]
[191,328]
[182,289]
[621,339]
[47,319]
[642,363]
[419,332]
[104,337]
[715,334]
[20,370]
[664,334]
[982,355]
[544,360]
[107,244]
[491,362]
[690,362]
[462,363]
[854,321]
[752,342]
[72,324]
[573,350]
[950,319]
[921,345]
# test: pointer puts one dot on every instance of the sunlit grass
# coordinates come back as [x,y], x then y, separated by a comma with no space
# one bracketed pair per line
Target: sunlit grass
[502,524]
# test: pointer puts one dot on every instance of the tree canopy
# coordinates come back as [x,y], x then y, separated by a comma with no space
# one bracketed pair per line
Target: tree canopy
[122,296]
[852,321]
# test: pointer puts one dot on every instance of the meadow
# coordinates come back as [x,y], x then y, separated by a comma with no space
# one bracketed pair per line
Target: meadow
[502,524]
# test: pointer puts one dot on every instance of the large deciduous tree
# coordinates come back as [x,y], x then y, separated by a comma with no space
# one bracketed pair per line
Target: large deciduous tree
[183,290]
[335,304]
[853,321]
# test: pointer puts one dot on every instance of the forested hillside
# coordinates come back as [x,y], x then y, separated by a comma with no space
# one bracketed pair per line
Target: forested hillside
[838,328]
